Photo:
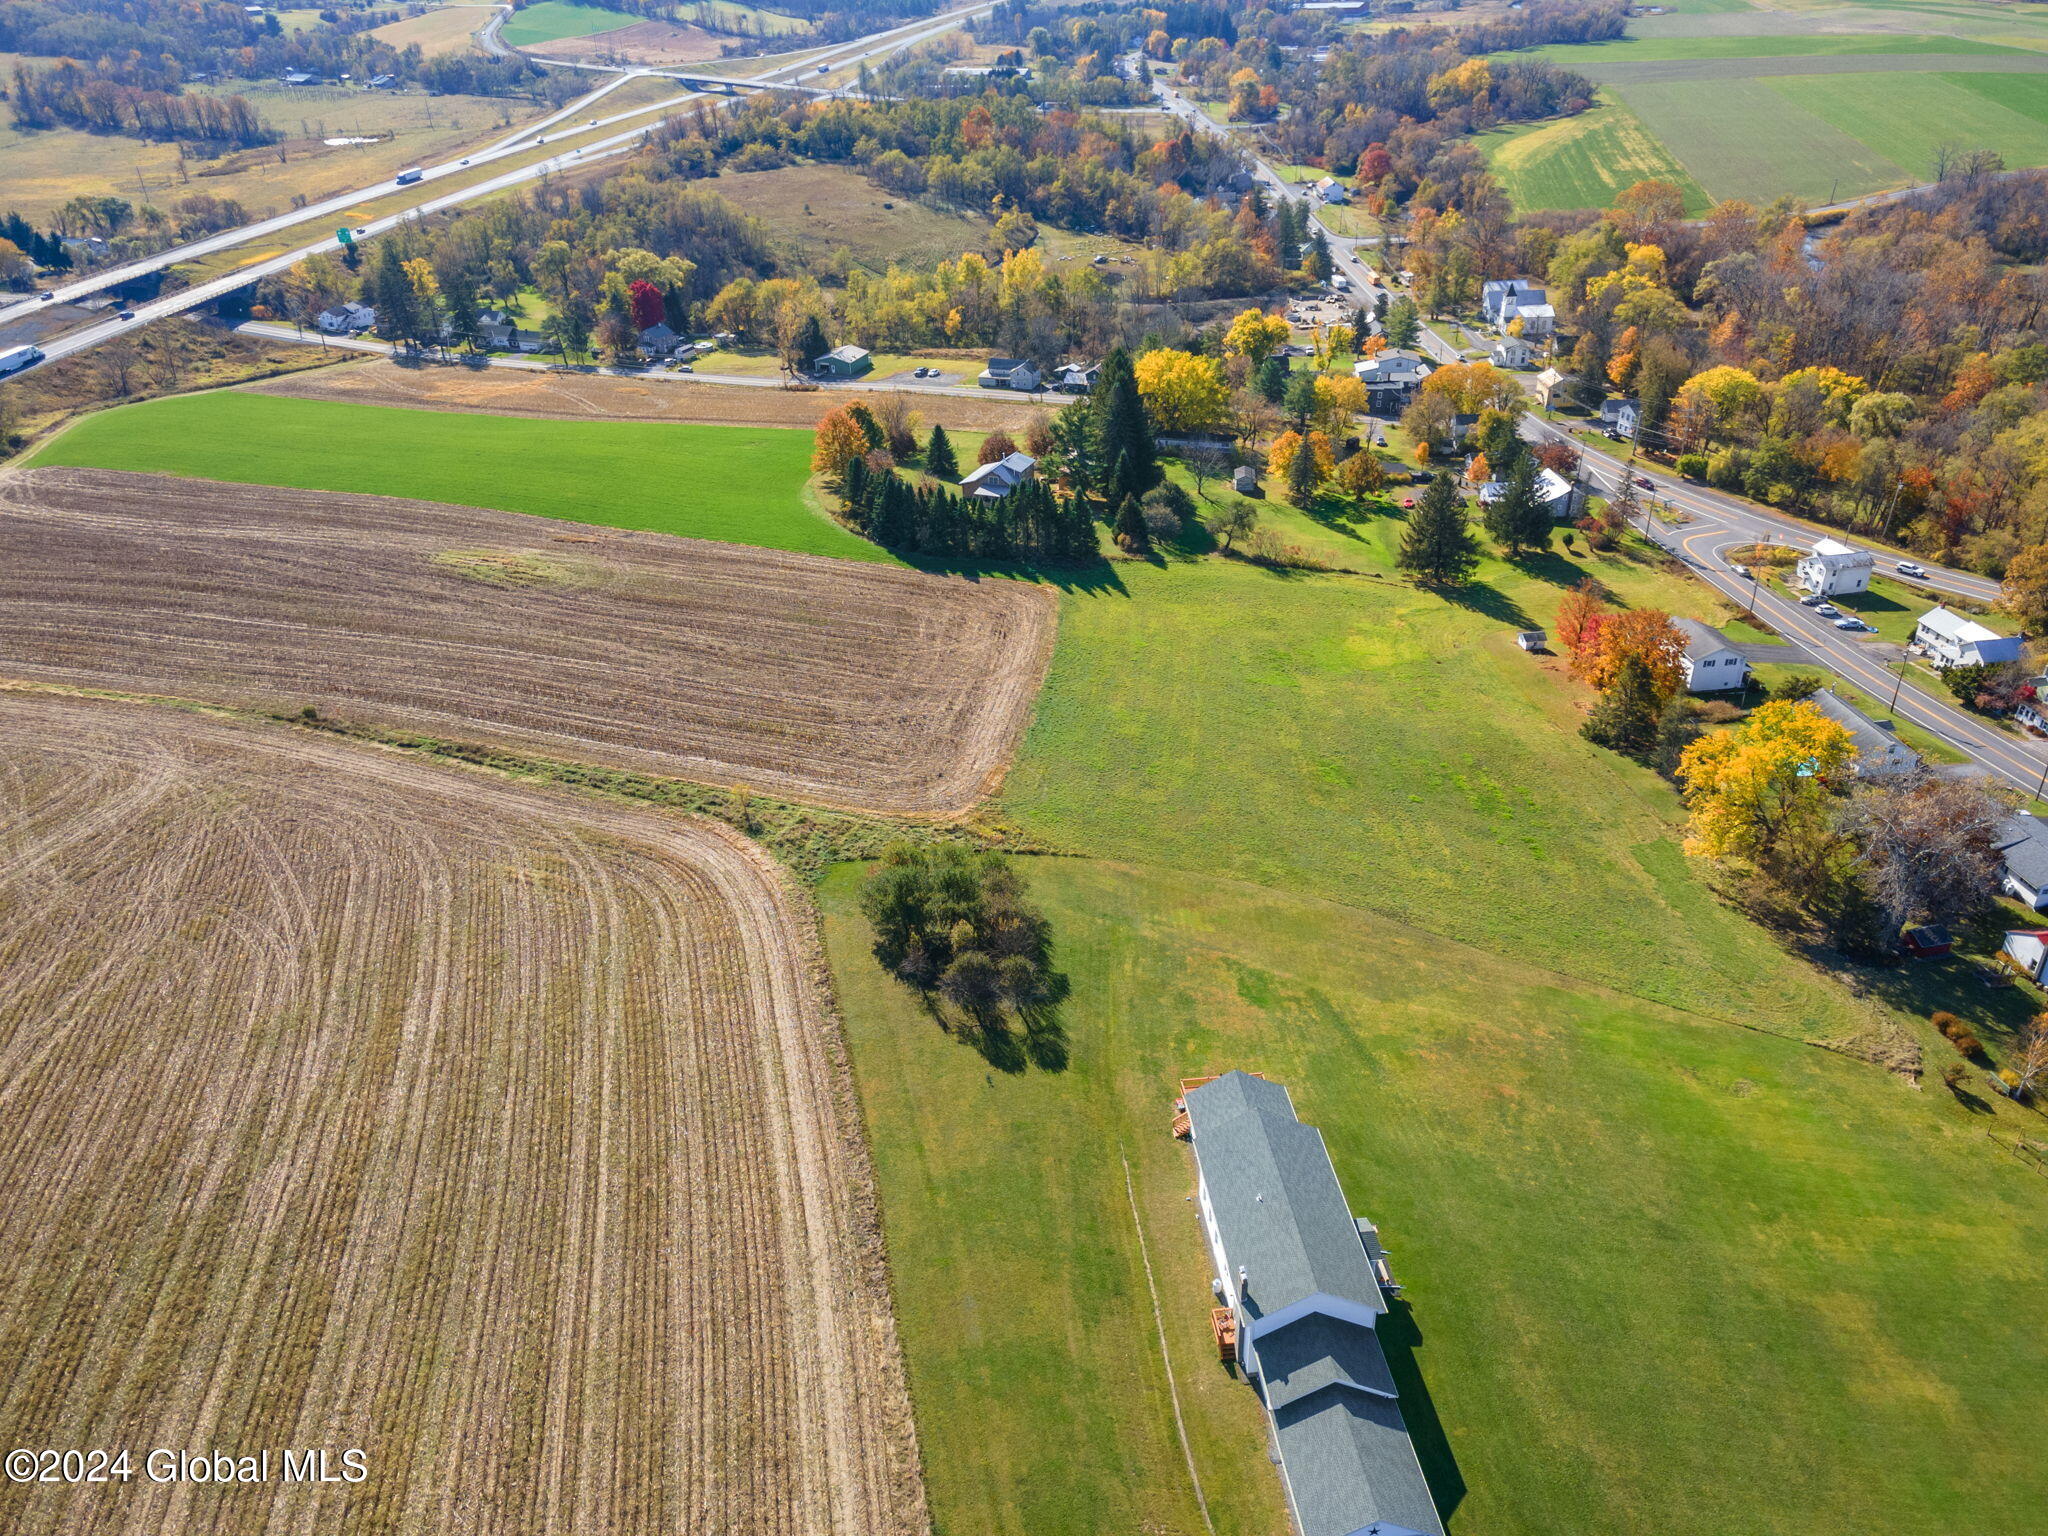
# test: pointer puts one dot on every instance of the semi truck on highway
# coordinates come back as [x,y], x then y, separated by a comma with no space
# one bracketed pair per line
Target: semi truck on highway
[14,359]
[408,177]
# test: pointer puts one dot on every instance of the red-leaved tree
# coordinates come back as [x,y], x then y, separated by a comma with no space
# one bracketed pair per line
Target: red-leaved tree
[648,308]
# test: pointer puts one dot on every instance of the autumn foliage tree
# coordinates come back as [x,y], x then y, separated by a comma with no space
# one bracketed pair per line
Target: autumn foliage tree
[839,440]
[1763,792]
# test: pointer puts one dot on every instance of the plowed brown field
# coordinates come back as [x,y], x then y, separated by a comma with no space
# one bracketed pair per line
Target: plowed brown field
[834,681]
[602,397]
[352,1102]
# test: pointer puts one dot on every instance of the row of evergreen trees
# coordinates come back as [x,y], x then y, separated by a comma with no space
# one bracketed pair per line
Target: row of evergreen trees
[1030,523]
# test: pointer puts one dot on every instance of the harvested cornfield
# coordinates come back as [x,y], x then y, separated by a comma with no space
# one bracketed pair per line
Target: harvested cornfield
[348,1102]
[570,396]
[833,681]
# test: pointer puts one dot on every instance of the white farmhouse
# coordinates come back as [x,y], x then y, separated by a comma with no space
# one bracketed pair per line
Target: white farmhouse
[1835,569]
[1950,640]
[2026,951]
[1710,664]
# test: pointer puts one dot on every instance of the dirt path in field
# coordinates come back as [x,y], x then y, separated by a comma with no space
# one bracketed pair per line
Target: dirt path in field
[830,681]
[599,397]
[348,1101]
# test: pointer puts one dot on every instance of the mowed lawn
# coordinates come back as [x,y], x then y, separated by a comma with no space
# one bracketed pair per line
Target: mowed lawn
[552,20]
[1661,1274]
[739,485]
[1672,1269]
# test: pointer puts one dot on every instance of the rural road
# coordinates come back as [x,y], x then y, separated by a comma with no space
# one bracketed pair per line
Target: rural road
[526,139]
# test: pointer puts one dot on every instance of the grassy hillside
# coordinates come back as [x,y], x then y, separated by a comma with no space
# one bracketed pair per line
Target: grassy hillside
[1673,1269]
[741,485]
[1662,1274]
[1584,161]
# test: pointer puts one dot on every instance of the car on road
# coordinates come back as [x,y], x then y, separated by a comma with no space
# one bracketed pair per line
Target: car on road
[1811,600]
[1910,568]
[47,297]
[126,314]
[1740,570]
[465,162]
[1646,482]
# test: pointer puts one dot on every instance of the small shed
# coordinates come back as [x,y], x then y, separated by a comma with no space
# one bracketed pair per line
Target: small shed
[1245,480]
[1927,941]
[1533,640]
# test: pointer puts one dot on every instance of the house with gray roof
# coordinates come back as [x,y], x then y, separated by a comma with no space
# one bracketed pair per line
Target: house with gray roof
[2023,846]
[1710,664]
[1307,1283]
[1879,754]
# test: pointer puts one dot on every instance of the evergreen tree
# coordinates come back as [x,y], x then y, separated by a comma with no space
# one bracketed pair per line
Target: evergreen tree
[1123,435]
[1438,547]
[1517,518]
[1676,730]
[1300,404]
[1626,718]
[1132,536]
[1403,323]
[939,457]
[1302,473]
[465,323]
[1501,443]
[1316,263]
[870,428]
[391,295]
[1270,381]
[1287,233]
[811,343]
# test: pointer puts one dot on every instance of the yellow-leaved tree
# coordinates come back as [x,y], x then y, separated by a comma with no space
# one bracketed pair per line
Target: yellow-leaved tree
[1764,790]
[1256,335]
[1182,392]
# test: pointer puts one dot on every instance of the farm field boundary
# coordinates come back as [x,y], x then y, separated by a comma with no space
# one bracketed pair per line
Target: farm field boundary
[840,683]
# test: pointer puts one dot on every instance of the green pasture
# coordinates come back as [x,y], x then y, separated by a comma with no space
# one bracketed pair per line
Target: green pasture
[1583,161]
[552,20]
[740,485]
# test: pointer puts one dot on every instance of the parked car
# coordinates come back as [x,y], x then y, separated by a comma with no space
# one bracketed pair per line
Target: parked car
[684,368]
[1909,568]
[1811,600]
[1849,623]
[1828,611]
[1408,502]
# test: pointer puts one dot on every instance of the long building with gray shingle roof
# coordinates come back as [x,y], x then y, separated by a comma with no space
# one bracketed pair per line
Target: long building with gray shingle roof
[1305,1280]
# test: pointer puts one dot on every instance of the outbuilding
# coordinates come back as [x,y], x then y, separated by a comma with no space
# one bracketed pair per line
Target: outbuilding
[848,362]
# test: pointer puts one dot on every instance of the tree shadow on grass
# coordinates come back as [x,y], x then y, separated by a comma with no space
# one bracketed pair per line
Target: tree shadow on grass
[1489,601]
[1034,1037]
[1095,577]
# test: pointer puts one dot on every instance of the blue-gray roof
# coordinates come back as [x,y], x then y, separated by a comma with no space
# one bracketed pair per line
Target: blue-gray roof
[1878,752]
[1350,1466]
[1279,1210]
[1302,1358]
[2023,843]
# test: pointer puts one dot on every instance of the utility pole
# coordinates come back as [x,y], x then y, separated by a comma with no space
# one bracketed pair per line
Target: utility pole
[1892,709]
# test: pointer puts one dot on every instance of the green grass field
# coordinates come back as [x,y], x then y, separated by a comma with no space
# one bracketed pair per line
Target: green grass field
[741,485]
[1671,1268]
[1662,1275]
[1722,104]
[1583,161]
[552,20]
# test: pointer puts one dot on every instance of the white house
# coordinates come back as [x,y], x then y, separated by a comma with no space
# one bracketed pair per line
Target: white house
[1710,664]
[1951,640]
[1303,1284]
[1008,373]
[1549,386]
[992,482]
[1552,489]
[1537,319]
[1331,190]
[1512,352]
[1835,569]
[346,319]
[2026,949]
[1076,378]
[2023,847]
